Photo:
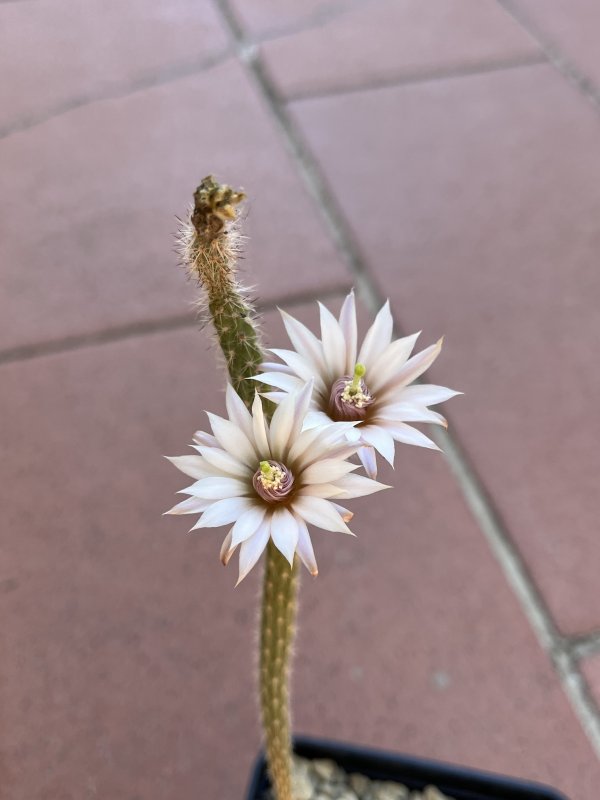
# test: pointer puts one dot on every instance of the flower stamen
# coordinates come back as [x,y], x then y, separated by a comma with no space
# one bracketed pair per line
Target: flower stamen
[350,397]
[272,481]
[355,390]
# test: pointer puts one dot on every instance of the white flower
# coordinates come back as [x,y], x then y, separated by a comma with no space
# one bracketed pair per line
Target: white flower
[271,480]
[372,389]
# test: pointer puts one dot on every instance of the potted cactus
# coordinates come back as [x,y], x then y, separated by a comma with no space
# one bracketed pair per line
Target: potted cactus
[302,437]
[324,769]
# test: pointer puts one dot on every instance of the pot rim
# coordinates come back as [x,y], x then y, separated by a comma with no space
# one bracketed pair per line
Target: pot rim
[416,772]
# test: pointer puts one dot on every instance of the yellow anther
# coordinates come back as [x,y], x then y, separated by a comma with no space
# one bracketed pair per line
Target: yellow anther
[271,475]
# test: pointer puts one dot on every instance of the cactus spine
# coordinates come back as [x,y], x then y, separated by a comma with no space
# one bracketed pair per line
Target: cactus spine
[209,246]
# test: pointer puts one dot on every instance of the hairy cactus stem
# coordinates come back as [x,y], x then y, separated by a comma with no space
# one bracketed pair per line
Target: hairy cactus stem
[276,637]
[210,245]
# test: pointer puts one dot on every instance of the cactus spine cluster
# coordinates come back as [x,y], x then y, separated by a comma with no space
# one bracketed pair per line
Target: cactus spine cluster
[210,244]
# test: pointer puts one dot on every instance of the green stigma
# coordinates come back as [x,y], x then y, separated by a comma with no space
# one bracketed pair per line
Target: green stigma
[266,469]
[359,372]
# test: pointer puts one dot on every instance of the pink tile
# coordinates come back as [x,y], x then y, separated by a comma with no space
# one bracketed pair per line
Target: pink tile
[383,41]
[128,667]
[87,214]
[478,213]
[262,17]
[570,28]
[591,671]
[61,52]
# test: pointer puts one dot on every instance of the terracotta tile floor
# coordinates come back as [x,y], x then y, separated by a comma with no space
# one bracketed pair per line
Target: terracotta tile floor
[433,153]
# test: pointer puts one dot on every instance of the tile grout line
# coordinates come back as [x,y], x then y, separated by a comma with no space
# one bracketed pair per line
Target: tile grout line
[173,72]
[554,56]
[317,19]
[584,646]
[134,330]
[563,652]
[416,78]
[560,651]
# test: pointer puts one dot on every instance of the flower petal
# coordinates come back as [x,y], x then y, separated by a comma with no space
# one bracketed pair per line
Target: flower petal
[287,383]
[232,439]
[360,485]
[427,394]
[194,466]
[191,505]
[224,462]
[237,411]
[334,346]
[390,362]
[380,439]
[319,442]
[378,337]
[344,513]
[206,439]
[369,460]
[284,532]
[408,412]
[247,523]
[301,406]
[304,548]
[281,426]
[259,427]
[275,366]
[413,368]
[251,550]
[348,326]
[299,366]
[222,512]
[315,418]
[326,490]
[226,550]
[320,512]
[327,470]
[304,341]
[217,488]
[409,435]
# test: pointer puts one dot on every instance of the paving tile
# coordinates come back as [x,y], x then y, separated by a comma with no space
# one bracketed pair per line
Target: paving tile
[268,17]
[128,669]
[87,215]
[61,52]
[477,212]
[387,41]
[569,27]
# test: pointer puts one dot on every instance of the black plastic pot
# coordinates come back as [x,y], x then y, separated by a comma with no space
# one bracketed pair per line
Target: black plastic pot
[460,783]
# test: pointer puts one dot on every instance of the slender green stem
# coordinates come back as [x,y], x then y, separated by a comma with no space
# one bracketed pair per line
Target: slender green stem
[276,637]
[210,249]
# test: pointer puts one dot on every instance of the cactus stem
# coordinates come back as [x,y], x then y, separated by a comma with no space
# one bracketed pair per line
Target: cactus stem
[209,247]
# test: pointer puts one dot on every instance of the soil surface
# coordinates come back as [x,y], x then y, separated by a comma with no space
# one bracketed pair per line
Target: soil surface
[323,779]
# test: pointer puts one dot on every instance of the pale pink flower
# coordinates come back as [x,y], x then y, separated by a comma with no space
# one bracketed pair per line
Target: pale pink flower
[373,387]
[269,481]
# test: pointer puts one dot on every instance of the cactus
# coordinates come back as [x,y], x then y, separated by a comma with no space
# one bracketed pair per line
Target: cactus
[209,247]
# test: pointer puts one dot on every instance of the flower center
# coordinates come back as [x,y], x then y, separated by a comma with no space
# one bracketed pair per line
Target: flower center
[273,481]
[350,397]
